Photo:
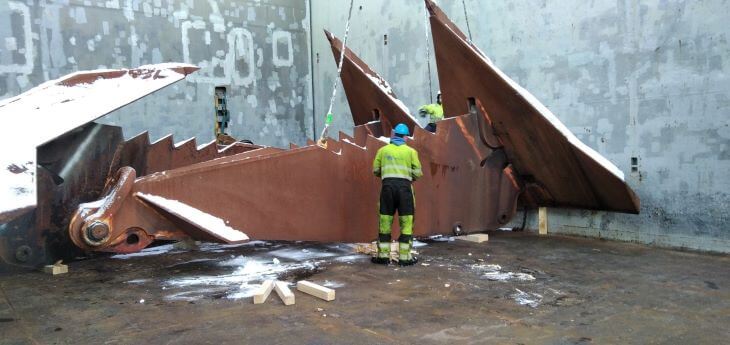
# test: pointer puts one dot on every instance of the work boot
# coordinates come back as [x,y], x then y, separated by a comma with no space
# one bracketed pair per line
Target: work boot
[410,262]
[380,261]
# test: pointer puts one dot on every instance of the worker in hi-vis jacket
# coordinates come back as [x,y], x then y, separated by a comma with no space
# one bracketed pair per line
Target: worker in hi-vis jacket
[435,113]
[398,166]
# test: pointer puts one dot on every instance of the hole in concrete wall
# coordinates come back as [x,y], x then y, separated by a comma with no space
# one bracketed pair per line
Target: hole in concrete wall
[221,110]
[317,57]
[385,39]
[634,164]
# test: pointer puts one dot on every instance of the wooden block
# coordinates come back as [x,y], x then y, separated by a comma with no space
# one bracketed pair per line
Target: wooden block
[55,269]
[315,290]
[263,292]
[542,221]
[365,248]
[478,238]
[284,293]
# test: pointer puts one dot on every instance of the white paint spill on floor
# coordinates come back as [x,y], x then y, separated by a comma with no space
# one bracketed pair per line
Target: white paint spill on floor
[527,298]
[352,258]
[219,247]
[203,247]
[300,254]
[494,272]
[192,261]
[508,276]
[487,267]
[333,284]
[137,281]
[244,291]
[418,244]
[239,276]
[246,277]
[441,238]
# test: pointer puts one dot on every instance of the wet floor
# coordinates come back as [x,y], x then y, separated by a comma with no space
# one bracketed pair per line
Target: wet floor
[515,289]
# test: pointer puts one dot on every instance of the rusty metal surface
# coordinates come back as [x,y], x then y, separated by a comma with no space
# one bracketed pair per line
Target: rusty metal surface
[137,157]
[317,194]
[74,168]
[494,148]
[556,172]
[147,223]
[81,97]
[164,154]
[371,90]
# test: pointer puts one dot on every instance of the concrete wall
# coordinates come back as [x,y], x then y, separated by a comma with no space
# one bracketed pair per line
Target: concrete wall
[258,48]
[647,79]
[402,61]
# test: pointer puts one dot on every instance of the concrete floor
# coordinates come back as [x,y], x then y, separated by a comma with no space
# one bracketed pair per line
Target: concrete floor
[583,292]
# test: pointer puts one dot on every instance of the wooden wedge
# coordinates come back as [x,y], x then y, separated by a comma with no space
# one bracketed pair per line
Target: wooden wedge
[316,290]
[284,293]
[263,292]
[57,268]
[478,238]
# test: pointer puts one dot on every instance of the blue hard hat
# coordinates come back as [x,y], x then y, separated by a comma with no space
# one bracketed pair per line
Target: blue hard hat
[401,129]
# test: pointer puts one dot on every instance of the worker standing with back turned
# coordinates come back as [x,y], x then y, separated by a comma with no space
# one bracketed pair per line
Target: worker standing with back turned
[435,113]
[398,166]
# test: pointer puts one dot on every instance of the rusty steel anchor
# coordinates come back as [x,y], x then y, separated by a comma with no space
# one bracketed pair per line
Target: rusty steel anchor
[477,166]
[106,225]
[558,169]
[329,198]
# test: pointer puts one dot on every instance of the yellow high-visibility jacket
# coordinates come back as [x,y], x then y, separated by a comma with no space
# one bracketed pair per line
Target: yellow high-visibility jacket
[397,161]
[435,112]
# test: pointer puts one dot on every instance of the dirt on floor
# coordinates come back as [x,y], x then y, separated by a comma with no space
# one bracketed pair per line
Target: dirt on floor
[517,288]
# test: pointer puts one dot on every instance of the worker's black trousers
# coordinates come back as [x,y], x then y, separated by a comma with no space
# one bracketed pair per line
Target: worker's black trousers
[397,195]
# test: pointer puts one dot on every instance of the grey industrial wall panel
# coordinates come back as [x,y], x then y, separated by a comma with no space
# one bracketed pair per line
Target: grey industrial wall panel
[258,49]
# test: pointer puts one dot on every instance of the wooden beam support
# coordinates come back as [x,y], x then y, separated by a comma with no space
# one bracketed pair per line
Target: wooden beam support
[284,293]
[478,238]
[55,269]
[316,290]
[263,292]
[542,221]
